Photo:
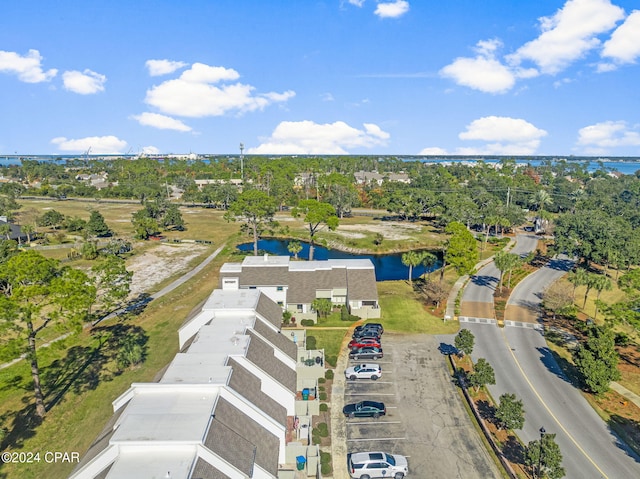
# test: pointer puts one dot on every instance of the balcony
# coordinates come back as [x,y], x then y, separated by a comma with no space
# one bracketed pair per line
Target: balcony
[296,469]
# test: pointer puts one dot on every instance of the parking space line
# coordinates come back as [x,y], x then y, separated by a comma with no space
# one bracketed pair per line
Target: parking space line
[347,393]
[378,439]
[353,423]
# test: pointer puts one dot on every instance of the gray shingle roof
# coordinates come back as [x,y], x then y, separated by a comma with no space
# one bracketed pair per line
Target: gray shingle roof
[261,354]
[249,386]
[270,311]
[362,284]
[281,342]
[239,439]
[204,470]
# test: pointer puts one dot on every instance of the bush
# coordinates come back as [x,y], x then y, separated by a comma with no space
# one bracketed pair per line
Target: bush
[344,313]
[311,342]
[321,380]
[322,429]
[320,388]
[323,396]
[325,468]
[331,360]
[325,457]
[324,407]
[307,322]
[622,339]
[328,374]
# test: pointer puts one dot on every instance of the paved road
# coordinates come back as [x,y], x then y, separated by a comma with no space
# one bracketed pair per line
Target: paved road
[524,365]
[477,298]
[526,298]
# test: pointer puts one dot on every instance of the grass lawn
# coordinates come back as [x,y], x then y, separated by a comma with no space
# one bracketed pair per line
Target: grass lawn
[91,382]
[403,312]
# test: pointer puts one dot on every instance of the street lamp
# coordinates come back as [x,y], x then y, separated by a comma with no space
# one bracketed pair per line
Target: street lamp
[242,163]
[542,431]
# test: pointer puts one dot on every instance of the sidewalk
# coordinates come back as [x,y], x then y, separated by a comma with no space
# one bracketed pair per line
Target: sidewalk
[338,421]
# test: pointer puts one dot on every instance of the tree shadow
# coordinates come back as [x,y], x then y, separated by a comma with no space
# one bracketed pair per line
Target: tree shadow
[513,451]
[487,411]
[626,433]
[484,280]
[82,369]
[555,365]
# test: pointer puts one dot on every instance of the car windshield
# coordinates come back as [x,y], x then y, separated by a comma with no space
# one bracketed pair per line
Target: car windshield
[390,459]
[359,405]
[357,368]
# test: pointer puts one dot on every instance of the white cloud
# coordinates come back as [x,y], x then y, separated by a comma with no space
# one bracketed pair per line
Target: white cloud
[150,150]
[624,44]
[568,35]
[392,9]
[602,137]
[327,97]
[161,122]
[308,138]
[83,83]
[100,145]
[28,68]
[505,135]
[357,3]
[194,95]
[483,72]
[433,150]
[163,67]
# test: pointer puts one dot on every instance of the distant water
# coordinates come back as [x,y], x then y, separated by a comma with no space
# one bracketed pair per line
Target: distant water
[388,267]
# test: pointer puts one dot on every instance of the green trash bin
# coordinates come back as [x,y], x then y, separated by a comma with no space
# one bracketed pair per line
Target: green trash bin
[300,462]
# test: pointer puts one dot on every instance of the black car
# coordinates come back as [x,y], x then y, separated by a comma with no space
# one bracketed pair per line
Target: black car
[366,333]
[365,409]
[370,327]
[366,352]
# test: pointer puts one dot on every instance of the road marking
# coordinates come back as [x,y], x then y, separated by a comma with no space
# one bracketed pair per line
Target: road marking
[549,410]
[368,394]
[378,439]
[372,422]
[354,381]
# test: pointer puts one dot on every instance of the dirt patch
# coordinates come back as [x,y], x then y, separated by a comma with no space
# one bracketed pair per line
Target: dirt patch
[160,263]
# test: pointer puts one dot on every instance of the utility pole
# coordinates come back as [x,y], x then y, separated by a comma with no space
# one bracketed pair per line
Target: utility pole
[242,162]
[508,194]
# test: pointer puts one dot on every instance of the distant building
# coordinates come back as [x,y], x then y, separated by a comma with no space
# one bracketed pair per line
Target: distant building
[228,406]
[367,177]
[16,232]
[295,284]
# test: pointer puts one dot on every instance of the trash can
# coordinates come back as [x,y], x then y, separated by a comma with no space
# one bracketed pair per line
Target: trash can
[300,462]
[305,394]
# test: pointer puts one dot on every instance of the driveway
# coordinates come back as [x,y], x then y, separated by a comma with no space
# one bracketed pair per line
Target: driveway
[426,419]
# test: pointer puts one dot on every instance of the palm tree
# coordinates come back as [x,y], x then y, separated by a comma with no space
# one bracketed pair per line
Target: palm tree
[28,230]
[579,277]
[601,283]
[5,230]
[428,260]
[411,259]
[294,247]
[541,199]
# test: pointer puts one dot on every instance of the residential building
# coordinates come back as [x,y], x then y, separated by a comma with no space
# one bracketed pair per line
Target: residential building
[367,177]
[294,285]
[16,233]
[226,406]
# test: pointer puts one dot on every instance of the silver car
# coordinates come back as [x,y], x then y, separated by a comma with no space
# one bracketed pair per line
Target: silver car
[367,465]
[364,371]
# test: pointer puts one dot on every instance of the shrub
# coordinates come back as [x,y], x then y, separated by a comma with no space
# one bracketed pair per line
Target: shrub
[323,429]
[325,457]
[311,342]
[321,380]
[320,388]
[323,396]
[325,468]
[324,407]
[344,313]
[328,374]
[331,359]
[315,439]
[307,322]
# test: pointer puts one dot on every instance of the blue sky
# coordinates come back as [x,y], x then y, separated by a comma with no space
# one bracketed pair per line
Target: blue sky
[398,77]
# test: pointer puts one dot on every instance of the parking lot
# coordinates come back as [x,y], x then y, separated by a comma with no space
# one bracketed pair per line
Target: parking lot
[426,420]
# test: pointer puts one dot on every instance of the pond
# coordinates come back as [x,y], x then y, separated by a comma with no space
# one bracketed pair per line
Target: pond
[388,266]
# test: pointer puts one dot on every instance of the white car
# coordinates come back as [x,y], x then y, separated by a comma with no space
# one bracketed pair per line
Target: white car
[364,371]
[367,465]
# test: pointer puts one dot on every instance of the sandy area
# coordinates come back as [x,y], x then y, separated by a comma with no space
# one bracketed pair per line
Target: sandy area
[391,230]
[161,262]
